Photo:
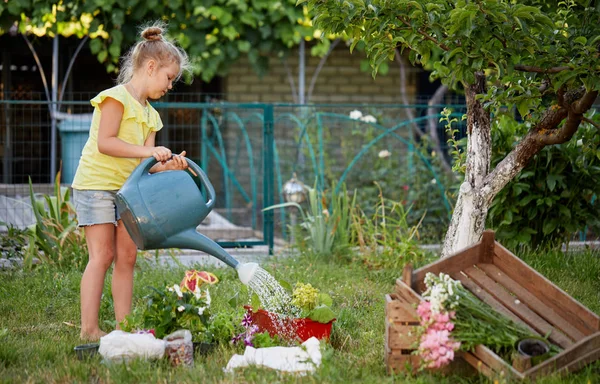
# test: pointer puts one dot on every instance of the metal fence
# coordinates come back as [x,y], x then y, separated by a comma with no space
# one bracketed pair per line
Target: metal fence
[248,151]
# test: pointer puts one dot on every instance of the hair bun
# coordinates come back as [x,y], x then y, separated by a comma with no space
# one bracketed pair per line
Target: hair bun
[152,33]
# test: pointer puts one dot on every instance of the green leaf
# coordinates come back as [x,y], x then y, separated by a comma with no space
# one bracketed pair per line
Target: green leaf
[255,302]
[325,299]
[285,285]
[549,226]
[322,314]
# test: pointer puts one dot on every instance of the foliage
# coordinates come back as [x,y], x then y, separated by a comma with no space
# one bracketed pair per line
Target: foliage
[221,328]
[175,307]
[554,196]
[13,243]
[55,238]
[313,303]
[325,228]
[538,56]
[538,33]
[215,33]
[385,239]
[457,146]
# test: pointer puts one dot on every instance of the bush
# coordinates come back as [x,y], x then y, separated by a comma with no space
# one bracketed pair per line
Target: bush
[553,197]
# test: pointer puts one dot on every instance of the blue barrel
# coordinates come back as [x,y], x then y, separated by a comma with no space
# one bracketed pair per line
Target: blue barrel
[73,136]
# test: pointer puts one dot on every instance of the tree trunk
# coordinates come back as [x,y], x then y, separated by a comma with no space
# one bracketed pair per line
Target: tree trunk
[470,212]
[556,125]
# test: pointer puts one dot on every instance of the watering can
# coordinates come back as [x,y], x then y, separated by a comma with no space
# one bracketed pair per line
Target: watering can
[162,210]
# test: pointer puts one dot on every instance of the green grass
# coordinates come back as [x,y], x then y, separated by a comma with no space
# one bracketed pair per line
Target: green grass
[39,308]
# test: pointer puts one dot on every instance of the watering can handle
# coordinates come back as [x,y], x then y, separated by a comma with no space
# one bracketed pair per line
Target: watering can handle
[144,169]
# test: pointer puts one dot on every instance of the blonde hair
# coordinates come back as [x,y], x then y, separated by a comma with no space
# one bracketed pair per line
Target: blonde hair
[156,47]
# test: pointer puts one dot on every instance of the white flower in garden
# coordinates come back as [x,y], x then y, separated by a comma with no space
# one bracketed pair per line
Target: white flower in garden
[201,310]
[368,119]
[181,308]
[356,114]
[197,292]
[579,142]
[433,181]
[170,289]
[207,298]
[385,153]
[178,290]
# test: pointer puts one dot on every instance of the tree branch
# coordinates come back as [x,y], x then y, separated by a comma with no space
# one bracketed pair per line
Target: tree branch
[315,75]
[592,122]
[531,68]
[544,133]
[290,78]
[425,35]
[409,111]
[585,102]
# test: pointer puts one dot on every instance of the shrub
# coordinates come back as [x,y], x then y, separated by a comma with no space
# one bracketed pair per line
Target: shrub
[553,197]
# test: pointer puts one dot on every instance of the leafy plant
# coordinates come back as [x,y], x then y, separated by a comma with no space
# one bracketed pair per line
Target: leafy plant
[175,307]
[13,243]
[324,228]
[385,239]
[215,34]
[55,238]
[556,193]
[313,303]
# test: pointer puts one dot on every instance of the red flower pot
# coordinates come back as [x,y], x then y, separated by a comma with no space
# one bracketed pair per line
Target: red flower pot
[298,328]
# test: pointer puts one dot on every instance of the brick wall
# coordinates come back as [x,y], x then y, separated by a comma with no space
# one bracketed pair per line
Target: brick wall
[339,81]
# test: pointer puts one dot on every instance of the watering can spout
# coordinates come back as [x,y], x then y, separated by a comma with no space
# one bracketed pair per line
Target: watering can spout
[191,239]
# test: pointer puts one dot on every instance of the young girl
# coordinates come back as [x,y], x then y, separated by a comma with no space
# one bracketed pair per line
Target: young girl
[122,132]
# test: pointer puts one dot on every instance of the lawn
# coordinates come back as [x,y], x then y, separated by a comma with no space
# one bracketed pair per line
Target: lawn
[39,314]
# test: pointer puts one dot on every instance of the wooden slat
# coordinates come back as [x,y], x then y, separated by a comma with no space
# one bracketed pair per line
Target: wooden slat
[399,311]
[400,336]
[487,247]
[494,361]
[580,363]
[520,309]
[532,301]
[457,262]
[558,300]
[478,365]
[407,272]
[397,362]
[489,299]
[406,293]
[586,347]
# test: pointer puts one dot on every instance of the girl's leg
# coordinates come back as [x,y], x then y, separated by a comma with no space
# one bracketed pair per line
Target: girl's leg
[100,240]
[122,279]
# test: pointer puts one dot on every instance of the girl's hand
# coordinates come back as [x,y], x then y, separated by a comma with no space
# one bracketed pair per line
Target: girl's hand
[176,163]
[161,154]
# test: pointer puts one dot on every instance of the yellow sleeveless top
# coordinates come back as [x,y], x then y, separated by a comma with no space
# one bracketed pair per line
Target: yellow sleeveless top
[98,171]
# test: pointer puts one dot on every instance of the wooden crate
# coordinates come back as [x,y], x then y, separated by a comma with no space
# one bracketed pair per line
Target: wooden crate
[510,286]
[401,320]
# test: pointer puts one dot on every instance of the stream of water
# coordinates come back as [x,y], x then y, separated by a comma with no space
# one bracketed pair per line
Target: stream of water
[272,295]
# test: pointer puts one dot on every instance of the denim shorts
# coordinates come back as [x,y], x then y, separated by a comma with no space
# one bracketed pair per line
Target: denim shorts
[95,207]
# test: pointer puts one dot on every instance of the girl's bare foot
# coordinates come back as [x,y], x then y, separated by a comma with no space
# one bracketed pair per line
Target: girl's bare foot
[92,336]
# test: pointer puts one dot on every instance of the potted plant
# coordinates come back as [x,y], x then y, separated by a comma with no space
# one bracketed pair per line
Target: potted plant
[176,306]
[309,315]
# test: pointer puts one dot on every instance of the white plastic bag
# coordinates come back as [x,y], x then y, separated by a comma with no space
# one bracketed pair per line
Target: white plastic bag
[119,345]
[287,359]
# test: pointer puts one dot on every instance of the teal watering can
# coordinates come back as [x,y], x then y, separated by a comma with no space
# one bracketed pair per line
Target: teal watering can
[162,210]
